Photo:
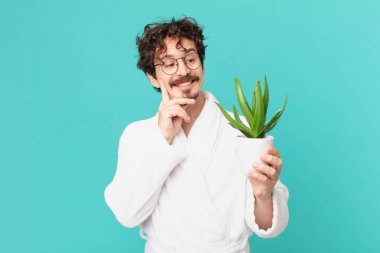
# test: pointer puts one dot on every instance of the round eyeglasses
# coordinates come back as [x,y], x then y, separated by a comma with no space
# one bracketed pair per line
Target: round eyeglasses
[170,65]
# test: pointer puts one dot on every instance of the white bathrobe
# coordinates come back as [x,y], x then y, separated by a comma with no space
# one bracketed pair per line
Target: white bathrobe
[189,196]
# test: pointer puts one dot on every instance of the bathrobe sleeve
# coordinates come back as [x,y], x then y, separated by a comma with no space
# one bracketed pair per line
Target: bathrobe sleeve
[145,160]
[280,211]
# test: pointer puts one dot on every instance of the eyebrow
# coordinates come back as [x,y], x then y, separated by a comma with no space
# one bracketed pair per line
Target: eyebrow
[186,51]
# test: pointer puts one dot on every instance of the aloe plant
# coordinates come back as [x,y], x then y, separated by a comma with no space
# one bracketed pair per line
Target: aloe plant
[255,114]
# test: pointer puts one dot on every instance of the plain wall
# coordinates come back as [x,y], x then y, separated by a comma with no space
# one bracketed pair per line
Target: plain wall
[69,86]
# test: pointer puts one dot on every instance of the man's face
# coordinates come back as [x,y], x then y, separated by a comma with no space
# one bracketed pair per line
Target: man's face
[184,73]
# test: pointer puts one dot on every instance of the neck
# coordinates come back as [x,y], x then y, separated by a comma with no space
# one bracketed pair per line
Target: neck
[193,111]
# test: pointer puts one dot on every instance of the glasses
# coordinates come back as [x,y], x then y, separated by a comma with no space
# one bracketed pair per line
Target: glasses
[170,65]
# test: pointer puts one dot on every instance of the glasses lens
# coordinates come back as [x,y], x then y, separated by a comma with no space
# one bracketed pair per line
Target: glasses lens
[169,66]
[192,61]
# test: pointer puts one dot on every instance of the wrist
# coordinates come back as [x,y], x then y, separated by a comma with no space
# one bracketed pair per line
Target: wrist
[264,198]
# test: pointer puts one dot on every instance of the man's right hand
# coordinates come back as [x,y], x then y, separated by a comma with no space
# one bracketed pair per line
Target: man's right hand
[171,113]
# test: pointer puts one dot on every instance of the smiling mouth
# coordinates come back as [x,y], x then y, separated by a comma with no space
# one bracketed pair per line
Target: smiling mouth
[185,84]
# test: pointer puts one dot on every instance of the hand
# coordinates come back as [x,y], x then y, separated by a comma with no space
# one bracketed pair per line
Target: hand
[171,113]
[263,177]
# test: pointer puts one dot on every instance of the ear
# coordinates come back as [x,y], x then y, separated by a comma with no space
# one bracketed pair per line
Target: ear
[152,80]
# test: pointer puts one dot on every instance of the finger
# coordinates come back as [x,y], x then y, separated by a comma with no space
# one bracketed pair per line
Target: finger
[164,92]
[273,151]
[273,161]
[181,101]
[177,112]
[172,107]
[266,170]
[258,176]
[175,107]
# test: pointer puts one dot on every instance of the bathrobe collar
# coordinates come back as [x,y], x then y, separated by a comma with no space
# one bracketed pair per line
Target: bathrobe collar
[202,138]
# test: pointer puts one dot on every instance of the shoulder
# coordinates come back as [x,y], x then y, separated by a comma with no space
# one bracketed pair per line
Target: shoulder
[139,129]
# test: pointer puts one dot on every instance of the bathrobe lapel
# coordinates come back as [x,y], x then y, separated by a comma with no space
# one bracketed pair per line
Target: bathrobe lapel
[200,148]
[186,193]
[203,136]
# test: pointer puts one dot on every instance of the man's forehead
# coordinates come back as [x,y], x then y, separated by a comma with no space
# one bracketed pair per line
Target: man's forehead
[188,50]
[176,47]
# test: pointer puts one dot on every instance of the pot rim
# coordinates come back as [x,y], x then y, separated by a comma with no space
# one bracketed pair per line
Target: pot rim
[265,137]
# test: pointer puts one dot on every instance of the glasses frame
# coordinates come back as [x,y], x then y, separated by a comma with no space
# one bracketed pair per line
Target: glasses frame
[183,57]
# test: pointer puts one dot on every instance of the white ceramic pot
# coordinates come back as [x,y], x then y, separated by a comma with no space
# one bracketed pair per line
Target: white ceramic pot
[249,150]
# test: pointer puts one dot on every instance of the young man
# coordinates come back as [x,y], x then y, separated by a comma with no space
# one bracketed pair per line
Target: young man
[177,174]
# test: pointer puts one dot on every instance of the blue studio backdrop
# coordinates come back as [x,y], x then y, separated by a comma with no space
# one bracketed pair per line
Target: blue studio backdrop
[69,86]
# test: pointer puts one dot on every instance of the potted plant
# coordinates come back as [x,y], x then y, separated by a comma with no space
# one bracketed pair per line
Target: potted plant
[254,140]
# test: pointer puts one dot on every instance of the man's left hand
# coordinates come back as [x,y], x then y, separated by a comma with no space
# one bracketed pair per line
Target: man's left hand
[263,177]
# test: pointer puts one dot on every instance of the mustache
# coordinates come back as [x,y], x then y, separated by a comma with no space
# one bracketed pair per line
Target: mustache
[184,79]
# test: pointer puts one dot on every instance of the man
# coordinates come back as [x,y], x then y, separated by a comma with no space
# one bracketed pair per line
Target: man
[177,174]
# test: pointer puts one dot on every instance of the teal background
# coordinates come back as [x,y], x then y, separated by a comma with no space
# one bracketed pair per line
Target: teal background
[69,86]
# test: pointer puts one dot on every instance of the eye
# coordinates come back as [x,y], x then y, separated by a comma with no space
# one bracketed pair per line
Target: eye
[168,62]
[190,60]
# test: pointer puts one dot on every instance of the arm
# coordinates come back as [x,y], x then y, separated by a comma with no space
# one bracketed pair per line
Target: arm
[263,212]
[144,163]
[279,214]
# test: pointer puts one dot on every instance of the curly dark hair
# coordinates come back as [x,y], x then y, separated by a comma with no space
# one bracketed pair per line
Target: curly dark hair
[153,39]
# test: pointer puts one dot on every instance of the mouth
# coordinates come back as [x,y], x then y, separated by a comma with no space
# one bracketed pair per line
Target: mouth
[185,84]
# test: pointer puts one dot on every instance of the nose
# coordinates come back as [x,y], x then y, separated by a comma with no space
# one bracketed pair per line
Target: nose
[182,70]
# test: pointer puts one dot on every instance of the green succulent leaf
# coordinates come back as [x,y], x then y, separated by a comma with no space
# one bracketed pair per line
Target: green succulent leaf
[236,114]
[273,122]
[249,135]
[259,117]
[266,95]
[255,116]
[243,103]
[245,130]
[253,102]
